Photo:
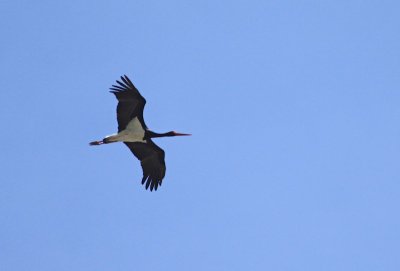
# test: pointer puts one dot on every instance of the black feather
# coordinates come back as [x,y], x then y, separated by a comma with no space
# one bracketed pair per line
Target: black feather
[152,159]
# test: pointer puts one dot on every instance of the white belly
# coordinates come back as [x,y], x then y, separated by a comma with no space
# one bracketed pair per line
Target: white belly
[133,132]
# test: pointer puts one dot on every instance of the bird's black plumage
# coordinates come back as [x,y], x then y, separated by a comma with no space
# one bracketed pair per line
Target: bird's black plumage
[130,105]
[152,160]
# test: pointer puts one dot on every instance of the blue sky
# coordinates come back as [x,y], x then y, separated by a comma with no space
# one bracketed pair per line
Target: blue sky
[294,159]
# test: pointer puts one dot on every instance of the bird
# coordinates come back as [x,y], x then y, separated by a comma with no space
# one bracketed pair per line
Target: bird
[133,132]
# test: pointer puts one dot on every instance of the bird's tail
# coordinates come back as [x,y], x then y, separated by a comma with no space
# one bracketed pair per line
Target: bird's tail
[96,143]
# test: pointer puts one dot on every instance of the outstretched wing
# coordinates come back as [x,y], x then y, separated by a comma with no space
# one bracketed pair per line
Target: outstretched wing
[130,103]
[152,160]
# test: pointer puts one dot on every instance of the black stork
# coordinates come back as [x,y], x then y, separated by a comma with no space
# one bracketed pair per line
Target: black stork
[132,130]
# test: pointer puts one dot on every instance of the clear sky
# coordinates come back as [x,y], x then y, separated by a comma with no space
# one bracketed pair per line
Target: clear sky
[294,107]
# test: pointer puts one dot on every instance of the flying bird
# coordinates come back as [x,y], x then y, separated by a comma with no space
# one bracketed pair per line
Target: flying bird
[133,132]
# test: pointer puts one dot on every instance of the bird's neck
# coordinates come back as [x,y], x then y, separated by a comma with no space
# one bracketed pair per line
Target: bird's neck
[151,134]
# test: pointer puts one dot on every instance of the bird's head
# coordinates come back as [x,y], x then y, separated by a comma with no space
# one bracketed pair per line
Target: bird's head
[173,133]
